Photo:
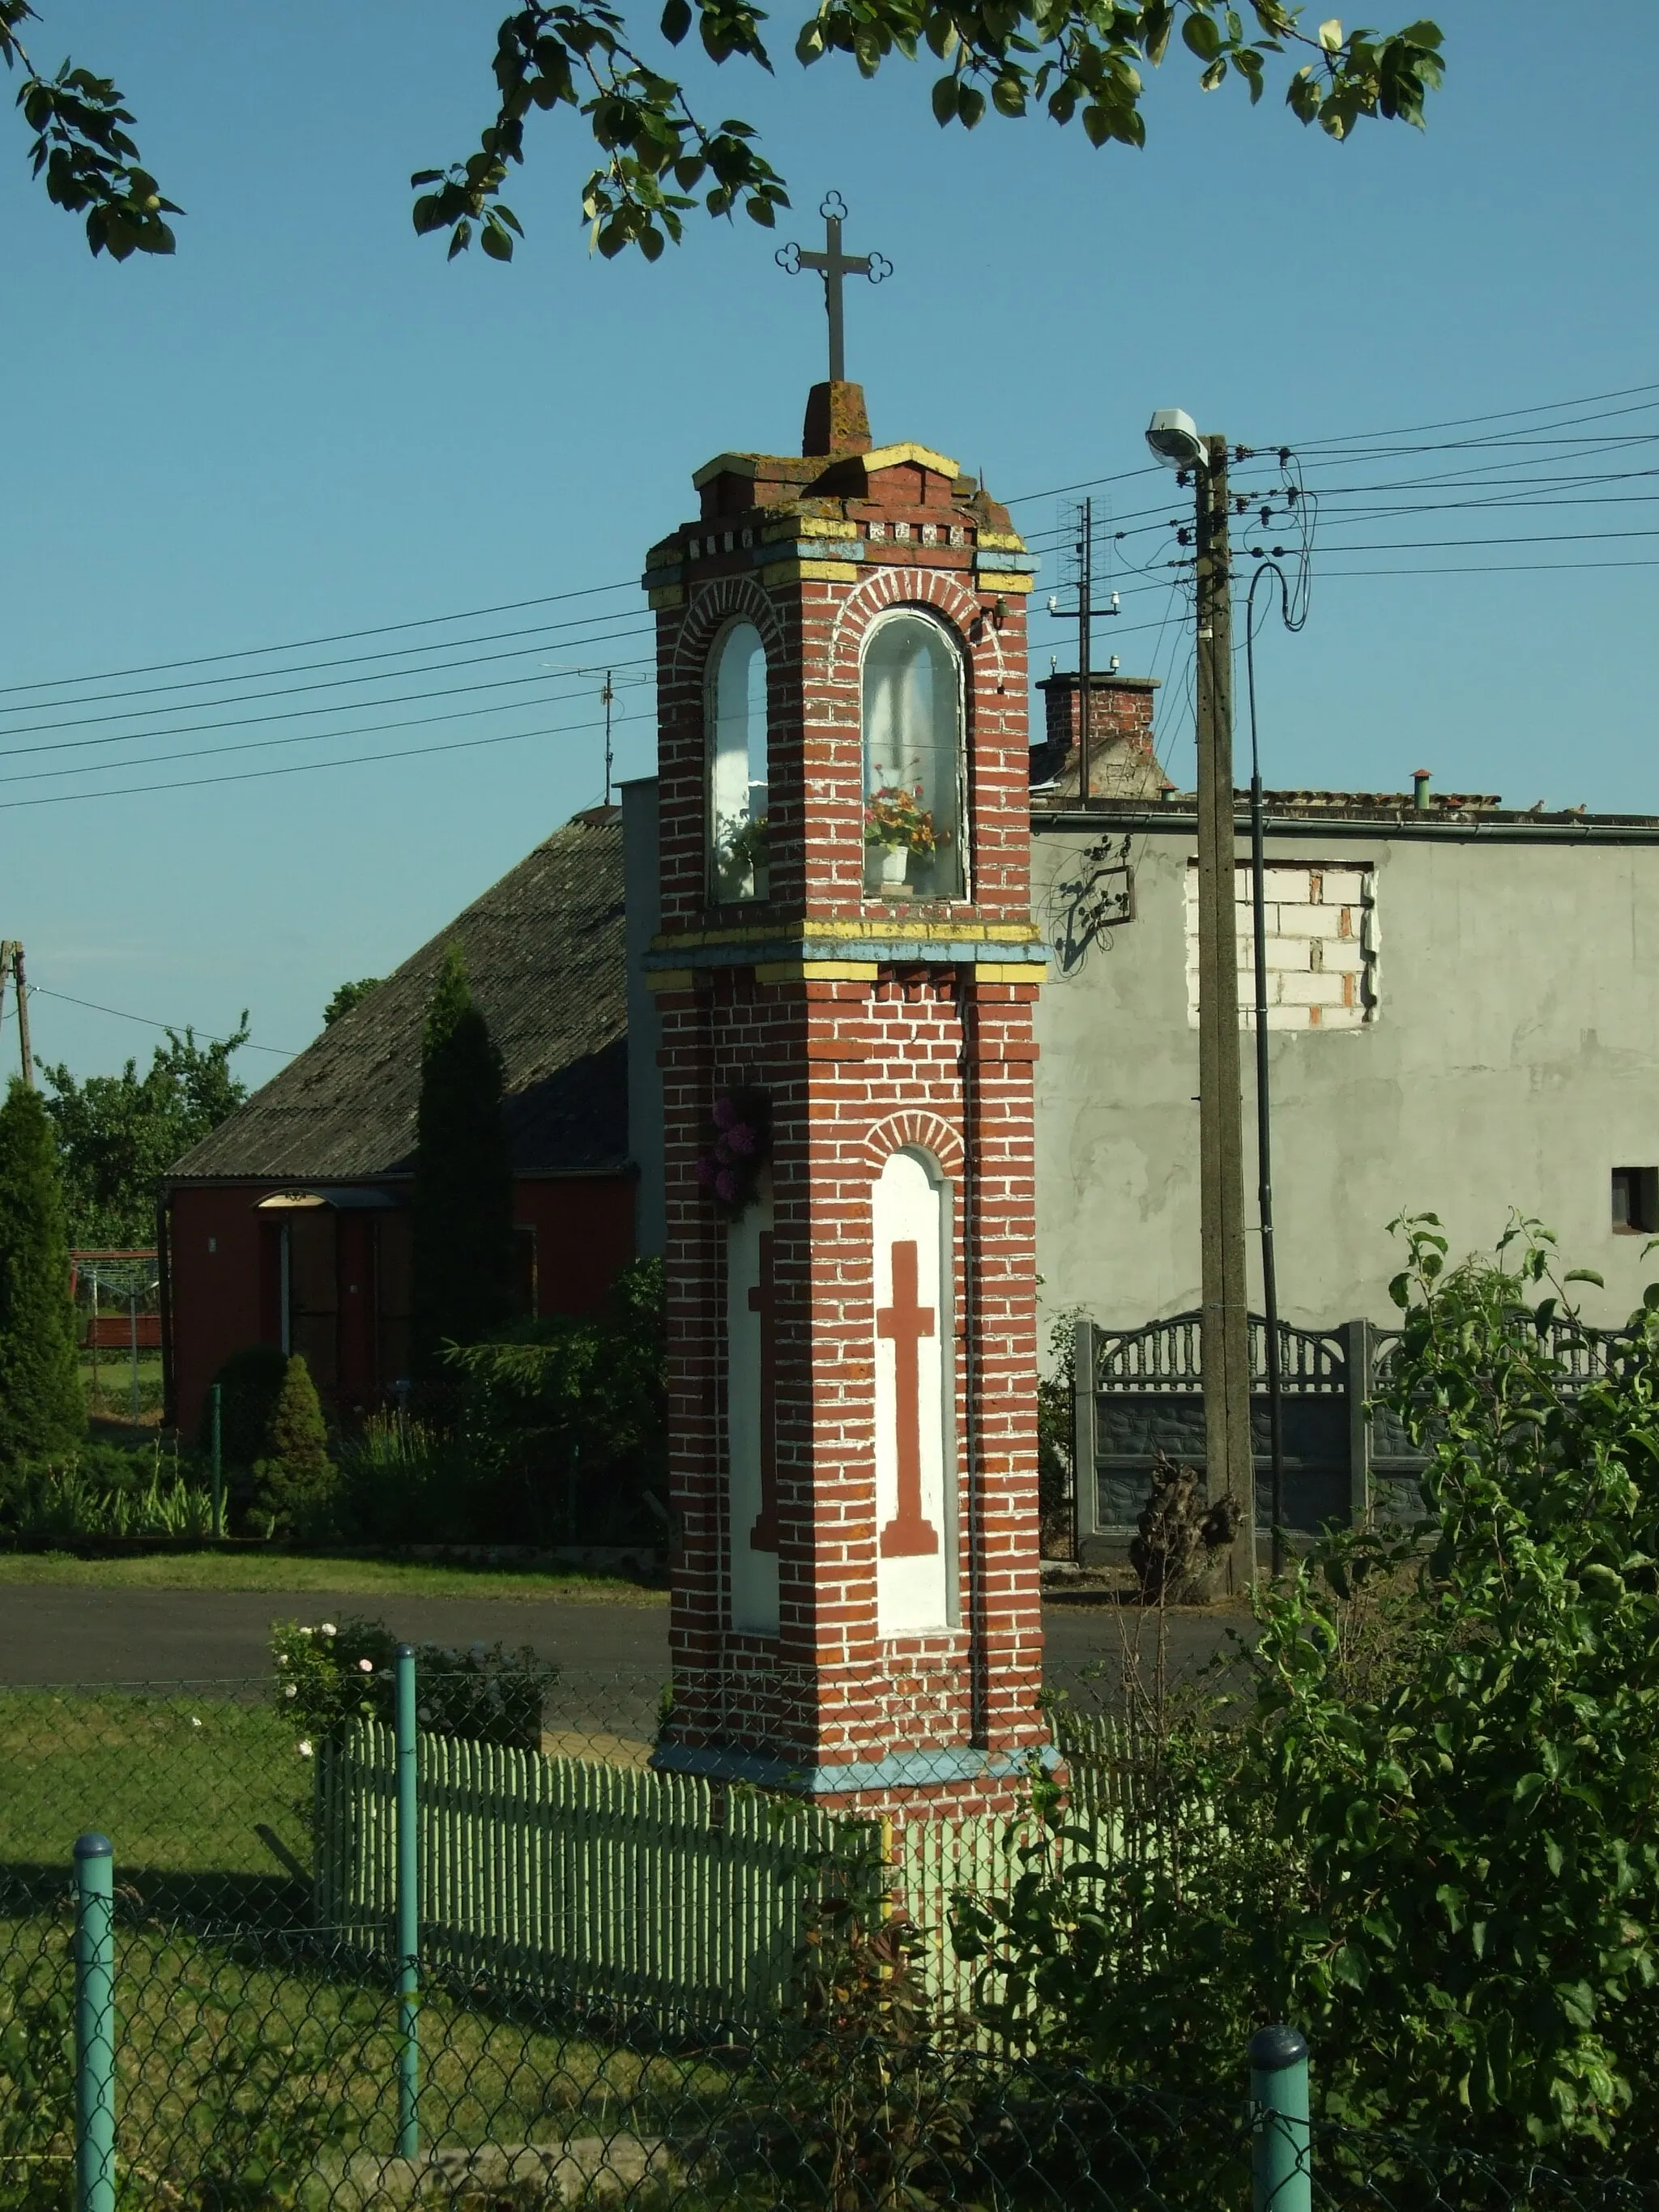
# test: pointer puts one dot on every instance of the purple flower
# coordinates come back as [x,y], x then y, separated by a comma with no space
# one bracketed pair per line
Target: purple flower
[726,1187]
[707,1172]
[741,1139]
[725,1113]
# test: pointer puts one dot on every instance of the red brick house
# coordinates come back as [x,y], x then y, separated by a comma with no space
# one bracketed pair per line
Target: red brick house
[289,1225]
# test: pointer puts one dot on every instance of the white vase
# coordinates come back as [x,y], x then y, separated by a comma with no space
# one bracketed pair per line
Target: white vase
[895,864]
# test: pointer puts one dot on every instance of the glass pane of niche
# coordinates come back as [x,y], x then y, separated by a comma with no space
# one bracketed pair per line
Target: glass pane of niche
[912,826]
[737,769]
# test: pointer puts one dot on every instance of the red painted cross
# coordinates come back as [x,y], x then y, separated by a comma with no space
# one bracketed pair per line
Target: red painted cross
[763,1536]
[904,1324]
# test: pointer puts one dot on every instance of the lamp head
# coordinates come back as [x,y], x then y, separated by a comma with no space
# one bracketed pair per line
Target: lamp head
[1173,436]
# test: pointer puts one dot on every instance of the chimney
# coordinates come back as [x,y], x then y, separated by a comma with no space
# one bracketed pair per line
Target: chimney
[1122,762]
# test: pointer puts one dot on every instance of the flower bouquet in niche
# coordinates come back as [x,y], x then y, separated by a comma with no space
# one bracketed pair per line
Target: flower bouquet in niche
[896,825]
[729,1168]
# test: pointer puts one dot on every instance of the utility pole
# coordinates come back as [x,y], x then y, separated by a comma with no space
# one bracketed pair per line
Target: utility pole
[1086,624]
[606,696]
[11,964]
[1088,614]
[1225,1332]
[23,1016]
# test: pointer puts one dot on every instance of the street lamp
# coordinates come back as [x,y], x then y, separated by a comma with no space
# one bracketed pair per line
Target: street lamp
[1173,436]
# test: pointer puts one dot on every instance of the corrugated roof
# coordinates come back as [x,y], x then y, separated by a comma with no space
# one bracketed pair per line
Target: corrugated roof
[545,955]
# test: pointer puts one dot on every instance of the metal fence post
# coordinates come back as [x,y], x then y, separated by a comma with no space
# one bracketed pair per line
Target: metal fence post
[218,1465]
[1283,2155]
[94,2024]
[409,1912]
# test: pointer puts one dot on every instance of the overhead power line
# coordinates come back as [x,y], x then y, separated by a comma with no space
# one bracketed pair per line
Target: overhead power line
[333,637]
[174,1029]
[308,767]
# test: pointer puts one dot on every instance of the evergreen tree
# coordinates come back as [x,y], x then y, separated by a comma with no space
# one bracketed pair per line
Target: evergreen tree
[297,1478]
[42,1411]
[464,1261]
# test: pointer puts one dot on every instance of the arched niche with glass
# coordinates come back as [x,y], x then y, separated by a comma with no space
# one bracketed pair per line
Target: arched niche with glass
[915,811]
[738,848]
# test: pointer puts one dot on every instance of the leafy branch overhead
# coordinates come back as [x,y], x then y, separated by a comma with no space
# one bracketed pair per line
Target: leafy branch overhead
[658,157]
[1073,59]
[81,144]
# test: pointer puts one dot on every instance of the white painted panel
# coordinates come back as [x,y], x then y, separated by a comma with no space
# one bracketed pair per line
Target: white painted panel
[914,1531]
[754,1570]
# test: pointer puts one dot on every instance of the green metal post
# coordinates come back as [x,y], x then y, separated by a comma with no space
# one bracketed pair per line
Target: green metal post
[409,1912]
[1278,2096]
[218,1466]
[94,2024]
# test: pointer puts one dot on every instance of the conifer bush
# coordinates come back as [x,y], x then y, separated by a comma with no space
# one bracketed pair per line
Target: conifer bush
[42,1411]
[296,1480]
[466,1262]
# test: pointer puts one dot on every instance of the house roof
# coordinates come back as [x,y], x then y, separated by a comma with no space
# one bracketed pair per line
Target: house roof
[545,957]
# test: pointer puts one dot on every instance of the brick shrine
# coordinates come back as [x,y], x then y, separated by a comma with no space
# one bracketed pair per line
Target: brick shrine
[845,972]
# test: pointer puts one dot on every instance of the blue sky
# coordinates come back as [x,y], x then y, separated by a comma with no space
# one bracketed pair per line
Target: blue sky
[305,424]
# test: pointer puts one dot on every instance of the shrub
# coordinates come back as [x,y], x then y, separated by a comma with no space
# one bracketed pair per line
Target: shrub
[566,1419]
[330,1675]
[42,1411]
[250,1383]
[103,1490]
[296,1480]
[1430,1840]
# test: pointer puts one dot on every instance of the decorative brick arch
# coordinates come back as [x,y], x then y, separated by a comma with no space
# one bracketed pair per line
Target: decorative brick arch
[937,591]
[922,1132]
[730,599]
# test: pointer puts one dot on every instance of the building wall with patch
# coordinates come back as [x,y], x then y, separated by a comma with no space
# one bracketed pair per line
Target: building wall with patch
[1507,1056]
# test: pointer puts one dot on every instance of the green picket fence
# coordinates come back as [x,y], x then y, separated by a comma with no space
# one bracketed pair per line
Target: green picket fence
[656,1895]
[661,1895]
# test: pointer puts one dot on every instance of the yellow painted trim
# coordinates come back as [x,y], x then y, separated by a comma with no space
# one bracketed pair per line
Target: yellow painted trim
[998,971]
[988,582]
[1001,541]
[816,971]
[666,595]
[893,457]
[817,526]
[810,572]
[670,979]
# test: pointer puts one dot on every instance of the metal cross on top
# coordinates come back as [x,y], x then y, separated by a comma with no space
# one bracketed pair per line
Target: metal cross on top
[833,264]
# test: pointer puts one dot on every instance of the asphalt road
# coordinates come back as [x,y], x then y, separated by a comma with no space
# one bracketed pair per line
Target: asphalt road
[64,1635]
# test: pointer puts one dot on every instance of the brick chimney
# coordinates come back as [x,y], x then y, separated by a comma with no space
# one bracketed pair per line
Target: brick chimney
[1122,762]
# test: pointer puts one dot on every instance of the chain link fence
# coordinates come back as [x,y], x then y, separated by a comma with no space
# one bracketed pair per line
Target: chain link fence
[467,1947]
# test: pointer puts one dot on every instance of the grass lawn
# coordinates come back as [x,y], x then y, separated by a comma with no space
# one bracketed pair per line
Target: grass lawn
[262,1570]
[180,1785]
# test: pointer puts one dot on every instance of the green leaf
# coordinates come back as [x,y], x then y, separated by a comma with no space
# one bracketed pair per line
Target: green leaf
[1203,35]
[944,99]
[676,21]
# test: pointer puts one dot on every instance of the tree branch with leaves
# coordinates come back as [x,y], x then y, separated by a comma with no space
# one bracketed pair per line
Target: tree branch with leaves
[81,145]
[659,158]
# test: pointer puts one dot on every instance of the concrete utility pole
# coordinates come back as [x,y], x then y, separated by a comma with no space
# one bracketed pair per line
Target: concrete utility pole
[1225,1334]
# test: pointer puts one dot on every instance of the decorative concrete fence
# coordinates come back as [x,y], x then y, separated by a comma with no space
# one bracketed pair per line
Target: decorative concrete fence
[1347,1457]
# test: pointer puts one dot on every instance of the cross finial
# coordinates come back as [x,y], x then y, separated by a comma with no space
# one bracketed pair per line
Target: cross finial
[833,264]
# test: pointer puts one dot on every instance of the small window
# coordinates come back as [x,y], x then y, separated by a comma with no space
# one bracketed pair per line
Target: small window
[1635,1202]
[913,767]
[737,767]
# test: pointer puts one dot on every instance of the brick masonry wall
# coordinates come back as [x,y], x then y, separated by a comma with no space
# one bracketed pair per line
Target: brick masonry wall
[1321,937]
[858,1059]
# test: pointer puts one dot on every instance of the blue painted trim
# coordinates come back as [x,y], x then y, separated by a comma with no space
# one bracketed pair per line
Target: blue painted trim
[900,1770]
[912,951]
